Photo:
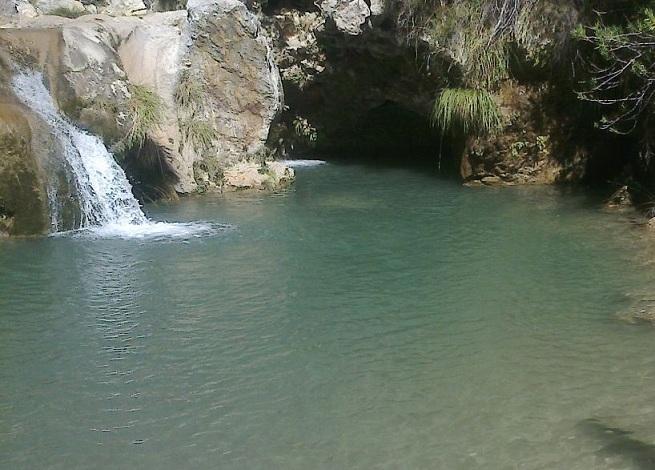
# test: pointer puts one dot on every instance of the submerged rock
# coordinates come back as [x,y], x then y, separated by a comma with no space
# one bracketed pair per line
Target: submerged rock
[621,198]
[643,311]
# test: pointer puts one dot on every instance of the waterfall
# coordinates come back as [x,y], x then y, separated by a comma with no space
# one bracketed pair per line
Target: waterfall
[106,202]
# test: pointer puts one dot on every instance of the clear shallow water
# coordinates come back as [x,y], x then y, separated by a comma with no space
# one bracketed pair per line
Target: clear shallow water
[367,318]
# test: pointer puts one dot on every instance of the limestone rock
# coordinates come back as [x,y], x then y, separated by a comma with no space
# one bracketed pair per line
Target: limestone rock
[217,47]
[251,175]
[378,7]
[620,198]
[349,15]
[524,151]
[20,8]
[47,7]
[231,60]
[297,51]
[126,8]
[152,56]
[25,146]
[282,174]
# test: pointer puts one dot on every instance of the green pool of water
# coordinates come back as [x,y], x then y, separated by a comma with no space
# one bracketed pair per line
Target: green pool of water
[366,318]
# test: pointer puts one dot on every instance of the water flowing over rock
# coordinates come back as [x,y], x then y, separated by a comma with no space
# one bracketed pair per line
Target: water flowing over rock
[216,50]
[105,196]
[107,206]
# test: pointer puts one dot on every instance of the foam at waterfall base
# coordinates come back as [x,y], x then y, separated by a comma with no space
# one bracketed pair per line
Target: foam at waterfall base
[108,209]
[149,231]
[303,163]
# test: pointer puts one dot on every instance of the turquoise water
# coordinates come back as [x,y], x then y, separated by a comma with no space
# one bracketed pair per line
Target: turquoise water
[366,318]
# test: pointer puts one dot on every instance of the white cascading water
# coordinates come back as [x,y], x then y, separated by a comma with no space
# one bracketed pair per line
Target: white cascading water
[107,205]
[303,163]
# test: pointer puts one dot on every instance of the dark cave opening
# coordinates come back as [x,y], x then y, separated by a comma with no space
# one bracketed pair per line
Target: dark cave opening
[390,135]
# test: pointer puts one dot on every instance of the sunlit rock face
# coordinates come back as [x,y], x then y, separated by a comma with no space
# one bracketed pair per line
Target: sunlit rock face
[231,58]
[93,63]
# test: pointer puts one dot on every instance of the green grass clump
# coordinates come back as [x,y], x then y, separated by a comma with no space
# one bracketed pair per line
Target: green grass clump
[194,118]
[466,110]
[200,133]
[146,112]
[190,92]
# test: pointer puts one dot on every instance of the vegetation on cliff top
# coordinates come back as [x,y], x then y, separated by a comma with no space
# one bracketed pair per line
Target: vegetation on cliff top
[603,50]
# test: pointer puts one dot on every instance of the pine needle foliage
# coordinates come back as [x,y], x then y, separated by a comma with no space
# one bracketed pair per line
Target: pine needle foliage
[620,65]
[467,111]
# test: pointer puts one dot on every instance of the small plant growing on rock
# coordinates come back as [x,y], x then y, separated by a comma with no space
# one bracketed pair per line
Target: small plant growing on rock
[190,91]
[146,111]
[199,132]
[303,129]
[466,110]
[194,119]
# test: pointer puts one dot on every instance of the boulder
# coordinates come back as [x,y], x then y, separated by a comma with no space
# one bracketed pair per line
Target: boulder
[348,15]
[126,8]
[69,8]
[152,56]
[621,198]
[232,82]
[17,8]
[251,175]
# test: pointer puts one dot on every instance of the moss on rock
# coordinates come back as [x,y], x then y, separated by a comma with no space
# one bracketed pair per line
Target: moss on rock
[23,202]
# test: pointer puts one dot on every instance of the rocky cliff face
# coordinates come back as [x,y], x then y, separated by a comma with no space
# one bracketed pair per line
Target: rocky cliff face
[180,96]
[360,83]
[209,64]
[197,99]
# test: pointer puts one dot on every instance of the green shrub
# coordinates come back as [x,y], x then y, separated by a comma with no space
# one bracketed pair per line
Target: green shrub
[467,111]
[621,68]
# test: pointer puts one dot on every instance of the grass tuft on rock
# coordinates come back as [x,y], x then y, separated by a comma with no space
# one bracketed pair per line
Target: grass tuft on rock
[200,133]
[466,110]
[146,113]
